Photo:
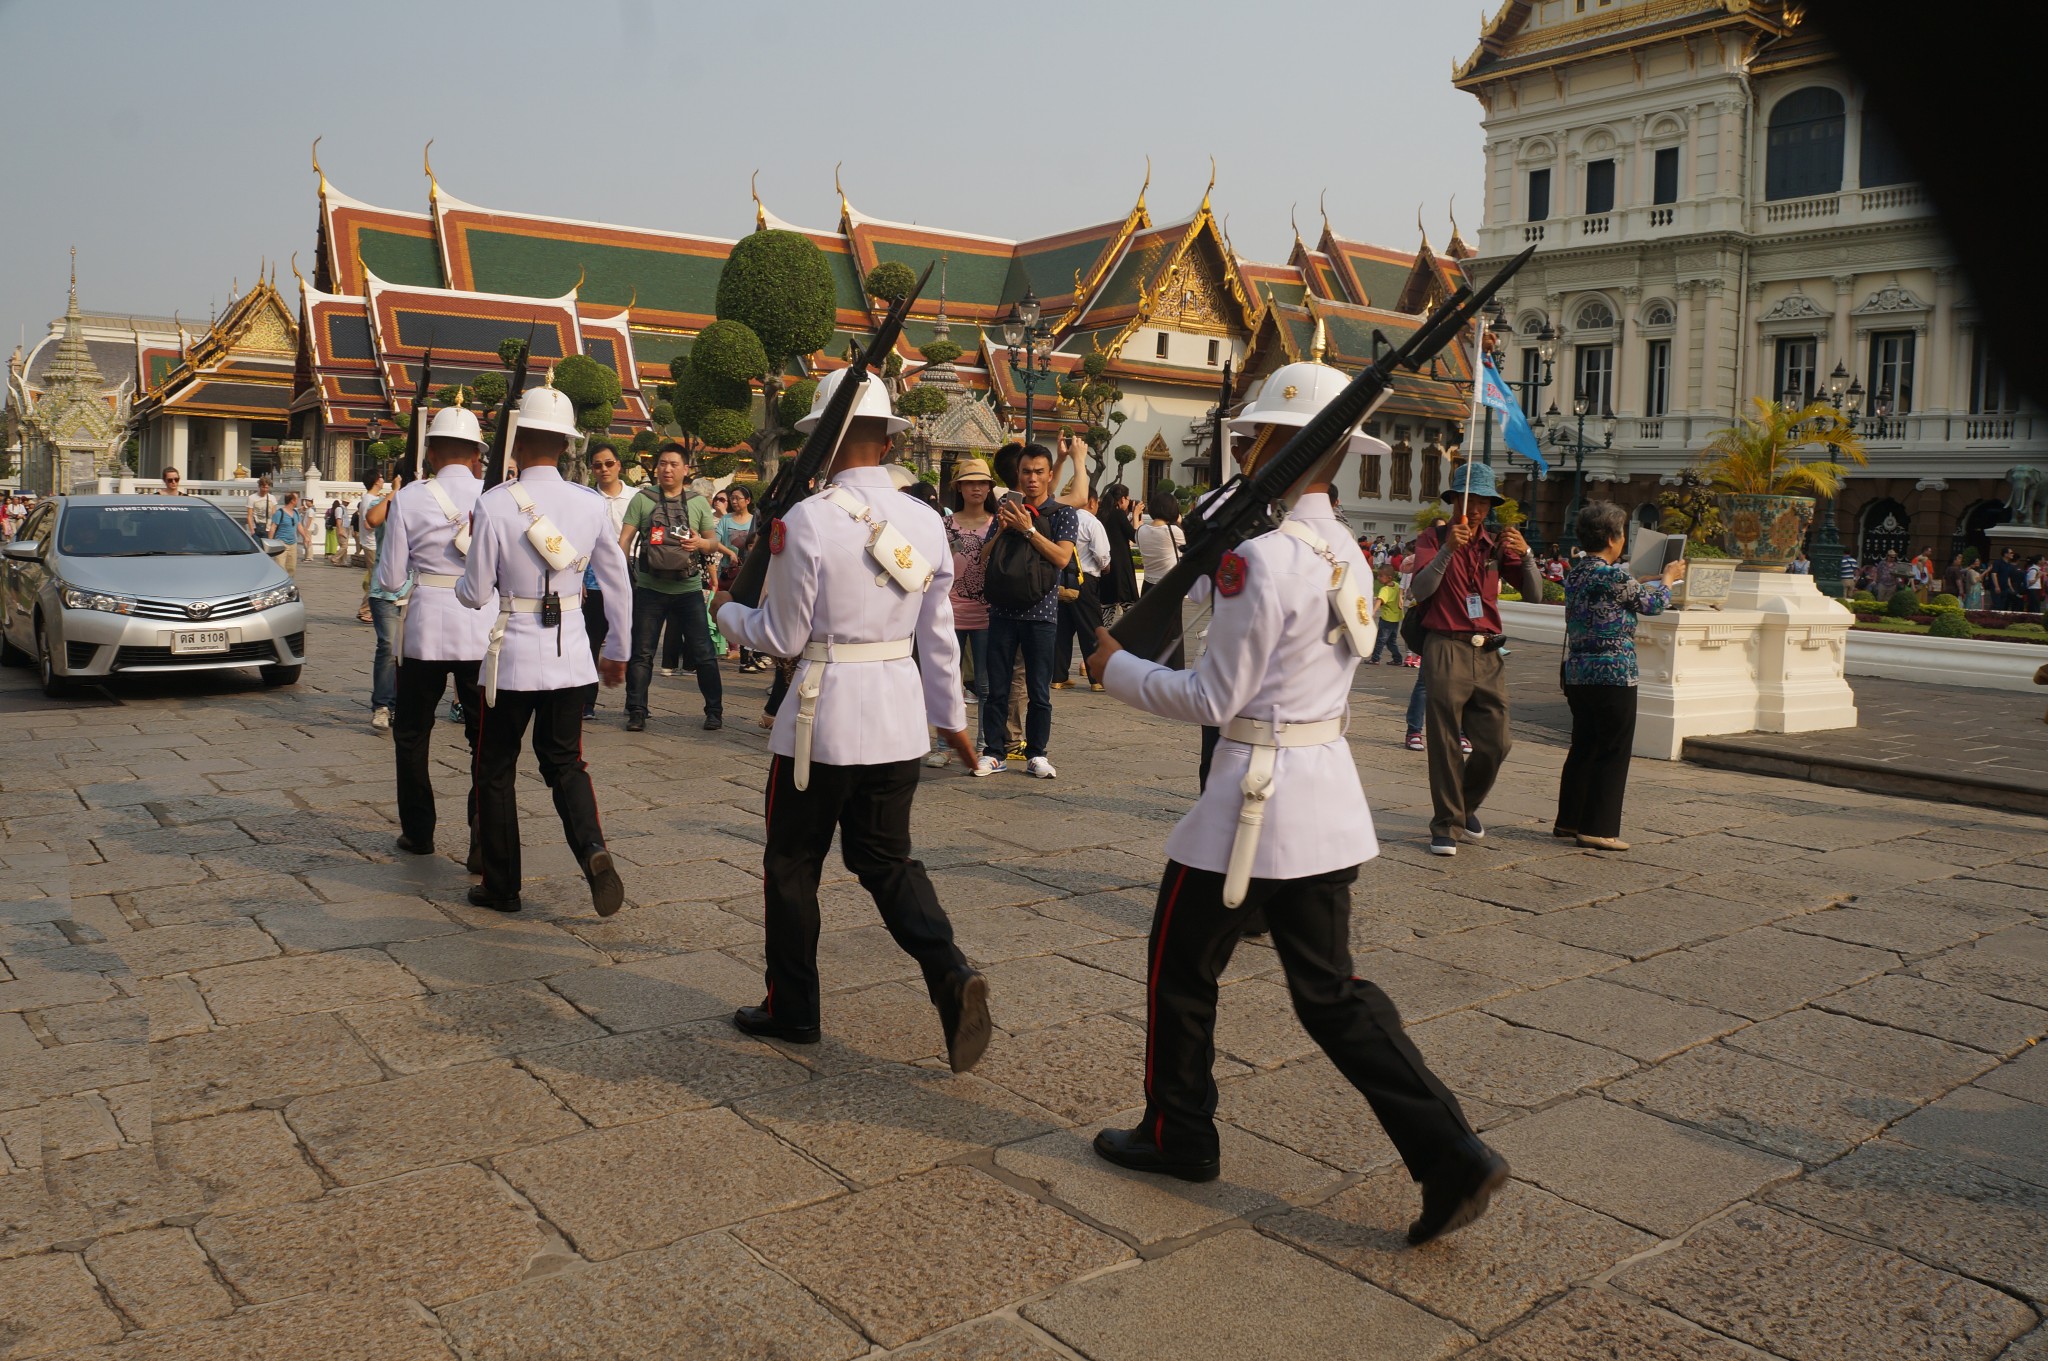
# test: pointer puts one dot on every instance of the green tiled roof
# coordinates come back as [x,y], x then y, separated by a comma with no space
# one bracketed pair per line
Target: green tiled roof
[397,258]
[971,277]
[1382,279]
[538,267]
[1052,271]
[1139,264]
[658,347]
[1284,291]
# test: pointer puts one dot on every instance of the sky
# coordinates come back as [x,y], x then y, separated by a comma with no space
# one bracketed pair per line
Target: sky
[169,143]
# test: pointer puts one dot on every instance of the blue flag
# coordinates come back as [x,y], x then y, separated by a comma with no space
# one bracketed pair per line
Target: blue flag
[1515,431]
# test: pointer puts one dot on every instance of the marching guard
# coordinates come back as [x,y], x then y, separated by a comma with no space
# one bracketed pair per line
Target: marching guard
[858,580]
[426,539]
[1281,829]
[531,541]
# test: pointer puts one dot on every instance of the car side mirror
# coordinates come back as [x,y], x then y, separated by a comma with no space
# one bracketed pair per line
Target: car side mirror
[23,550]
[275,547]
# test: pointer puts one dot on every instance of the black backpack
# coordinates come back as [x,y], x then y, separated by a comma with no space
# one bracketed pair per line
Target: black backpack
[1017,576]
[665,553]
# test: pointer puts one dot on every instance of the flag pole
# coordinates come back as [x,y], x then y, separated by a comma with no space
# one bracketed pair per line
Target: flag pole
[1479,413]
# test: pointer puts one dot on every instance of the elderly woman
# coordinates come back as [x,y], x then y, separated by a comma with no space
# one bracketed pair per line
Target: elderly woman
[1601,602]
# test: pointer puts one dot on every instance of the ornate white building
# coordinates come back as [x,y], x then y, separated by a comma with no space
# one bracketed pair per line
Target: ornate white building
[1718,218]
[70,410]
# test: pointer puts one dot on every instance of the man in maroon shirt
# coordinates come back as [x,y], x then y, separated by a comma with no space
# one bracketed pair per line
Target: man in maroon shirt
[1456,585]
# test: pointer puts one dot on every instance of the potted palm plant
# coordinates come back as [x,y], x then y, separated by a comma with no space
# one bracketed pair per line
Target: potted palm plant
[1767,486]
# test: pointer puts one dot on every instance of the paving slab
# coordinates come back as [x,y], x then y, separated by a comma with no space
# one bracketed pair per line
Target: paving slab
[1757,973]
[1049,990]
[640,932]
[1948,1013]
[980,1245]
[1146,1208]
[2013,965]
[1785,1110]
[336,1328]
[468,1025]
[1802,1293]
[1914,1068]
[1652,1173]
[994,1339]
[691,1172]
[158,1277]
[1600,1323]
[243,1160]
[222,1070]
[379,1130]
[1985,1127]
[311,927]
[706,1299]
[1951,1214]
[49,1303]
[886,1122]
[1244,1296]
[294,985]
[623,1078]
[647,994]
[1642,1025]
[2026,1077]
[1509,1065]
[1530,1245]
[437,1236]
[1311,1108]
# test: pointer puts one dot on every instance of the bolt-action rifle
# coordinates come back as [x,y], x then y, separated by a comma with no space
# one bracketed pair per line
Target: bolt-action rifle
[508,414]
[1152,627]
[793,481]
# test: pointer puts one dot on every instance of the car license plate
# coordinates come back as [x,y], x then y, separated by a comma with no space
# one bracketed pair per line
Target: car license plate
[188,641]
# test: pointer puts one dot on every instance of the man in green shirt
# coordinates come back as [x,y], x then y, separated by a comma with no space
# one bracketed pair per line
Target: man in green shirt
[671,527]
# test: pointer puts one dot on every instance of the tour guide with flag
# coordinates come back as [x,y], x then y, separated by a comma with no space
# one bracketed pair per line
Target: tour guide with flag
[859,580]
[1280,829]
[530,542]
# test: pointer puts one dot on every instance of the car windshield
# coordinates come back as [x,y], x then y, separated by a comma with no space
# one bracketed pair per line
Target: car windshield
[164,529]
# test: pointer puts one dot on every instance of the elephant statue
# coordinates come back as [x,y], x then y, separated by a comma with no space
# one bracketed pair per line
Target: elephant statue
[2028,499]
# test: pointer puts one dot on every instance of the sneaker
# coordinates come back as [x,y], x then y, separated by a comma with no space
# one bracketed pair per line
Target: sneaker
[1414,661]
[991,765]
[454,711]
[380,719]
[1038,768]
[1372,661]
[1442,845]
[636,722]
[1474,830]
[937,757]
[1464,744]
[589,712]
[668,671]
[1415,741]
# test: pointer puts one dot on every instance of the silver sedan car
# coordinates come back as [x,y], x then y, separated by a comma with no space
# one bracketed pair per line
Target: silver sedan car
[101,586]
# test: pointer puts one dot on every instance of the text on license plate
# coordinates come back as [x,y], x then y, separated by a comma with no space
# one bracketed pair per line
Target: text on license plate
[198,640]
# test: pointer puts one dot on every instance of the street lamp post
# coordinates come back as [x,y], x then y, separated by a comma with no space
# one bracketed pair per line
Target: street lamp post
[1846,396]
[375,430]
[1582,406]
[1025,329]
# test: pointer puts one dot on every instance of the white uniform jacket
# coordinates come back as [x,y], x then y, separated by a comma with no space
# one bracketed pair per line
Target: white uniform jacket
[503,563]
[420,539]
[821,587]
[1269,659]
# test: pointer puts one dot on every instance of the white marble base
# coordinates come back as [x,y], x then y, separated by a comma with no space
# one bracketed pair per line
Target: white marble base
[1698,677]
[1801,653]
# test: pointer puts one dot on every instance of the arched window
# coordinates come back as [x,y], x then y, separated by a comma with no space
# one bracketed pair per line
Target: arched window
[1805,147]
[1595,316]
[1658,315]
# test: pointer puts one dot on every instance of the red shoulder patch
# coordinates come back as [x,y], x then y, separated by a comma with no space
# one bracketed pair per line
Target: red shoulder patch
[1230,574]
[777,532]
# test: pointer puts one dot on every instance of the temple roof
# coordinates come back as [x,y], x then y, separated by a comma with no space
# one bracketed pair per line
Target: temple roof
[243,366]
[1442,390]
[1518,40]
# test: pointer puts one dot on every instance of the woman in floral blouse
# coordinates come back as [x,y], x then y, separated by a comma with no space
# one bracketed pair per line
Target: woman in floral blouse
[1601,602]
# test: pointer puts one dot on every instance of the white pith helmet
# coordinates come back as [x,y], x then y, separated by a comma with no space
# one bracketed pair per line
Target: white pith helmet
[457,422]
[1291,395]
[873,401]
[547,409]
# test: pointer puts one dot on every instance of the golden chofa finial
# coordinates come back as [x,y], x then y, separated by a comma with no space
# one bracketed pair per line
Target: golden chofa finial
[316,168]
[1319,343]
[580,277]
[837,188]
[427,164]
[760,212]
[1323,207]
[1296,226]
[1146,185]
[1211,184]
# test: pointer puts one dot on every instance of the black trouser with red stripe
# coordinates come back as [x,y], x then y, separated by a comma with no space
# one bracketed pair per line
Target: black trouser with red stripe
[557,719]
[421,683]
[1193,935]
[870,807]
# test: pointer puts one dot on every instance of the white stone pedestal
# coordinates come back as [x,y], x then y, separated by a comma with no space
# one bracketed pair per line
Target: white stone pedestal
[1800,654]
[2024,540]
[1698,677]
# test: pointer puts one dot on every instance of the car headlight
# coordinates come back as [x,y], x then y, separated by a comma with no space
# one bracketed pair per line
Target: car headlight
[271,599]
[79,598]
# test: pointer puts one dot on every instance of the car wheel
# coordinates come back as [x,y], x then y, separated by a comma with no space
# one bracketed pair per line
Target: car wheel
[54,685]
[282,675]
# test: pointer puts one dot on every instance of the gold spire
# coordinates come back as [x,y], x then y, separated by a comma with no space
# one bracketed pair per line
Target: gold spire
[1323,207]
[1295,225]
[461,397]
[1319,343]
[427,164]
[836,186]
[1210,185]
[580,276]
[296,275]
[760,212]
[316,168]
[1146,185]
[74,279]
[548,379]
[1421,230]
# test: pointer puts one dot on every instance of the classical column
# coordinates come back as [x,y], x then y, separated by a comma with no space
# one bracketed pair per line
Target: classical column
[1941,394]
[1839,338]
[1639,187]
[179,455]
[1681,349]
[1624,350]
[1574,194]
[1749,330]
[1728,137]
[233,448]
[1712,338]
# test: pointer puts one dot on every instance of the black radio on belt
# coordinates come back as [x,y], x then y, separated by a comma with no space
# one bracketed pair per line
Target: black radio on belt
[551,611]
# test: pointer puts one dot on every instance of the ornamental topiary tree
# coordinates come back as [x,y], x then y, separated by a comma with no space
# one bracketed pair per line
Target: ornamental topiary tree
[663,414]
[778,285]
[795,402]
[594,390]
[1950,624]
[1945,601]
[709,406]
[1093,395]
[1903,604]
[920,401]
[890,280]
[940,352]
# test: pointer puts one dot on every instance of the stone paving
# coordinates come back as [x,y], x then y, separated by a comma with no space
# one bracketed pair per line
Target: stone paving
[1769,1083]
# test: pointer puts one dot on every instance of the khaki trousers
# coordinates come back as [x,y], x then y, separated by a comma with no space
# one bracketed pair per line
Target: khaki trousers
[1468,693]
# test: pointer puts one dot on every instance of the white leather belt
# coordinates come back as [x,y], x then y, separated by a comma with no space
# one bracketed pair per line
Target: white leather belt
[821,655]
[509,605]
[1265,740]
[441,579]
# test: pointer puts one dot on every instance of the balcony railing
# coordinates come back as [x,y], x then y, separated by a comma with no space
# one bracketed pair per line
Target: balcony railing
[1595,226]
[1803,209]
[1532,233]
[1661,217]
[1888,202]
[1893,196]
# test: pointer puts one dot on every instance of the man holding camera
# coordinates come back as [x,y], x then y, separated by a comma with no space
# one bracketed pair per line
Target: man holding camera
[672,527]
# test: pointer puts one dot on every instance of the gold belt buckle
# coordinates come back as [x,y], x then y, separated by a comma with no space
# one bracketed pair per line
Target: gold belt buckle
[1478,639]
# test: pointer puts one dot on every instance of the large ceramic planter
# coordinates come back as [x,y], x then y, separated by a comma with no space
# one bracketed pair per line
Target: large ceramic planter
[1707,582]
[1765,531]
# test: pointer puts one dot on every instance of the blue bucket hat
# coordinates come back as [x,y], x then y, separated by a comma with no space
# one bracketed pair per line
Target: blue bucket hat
[1479,475]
